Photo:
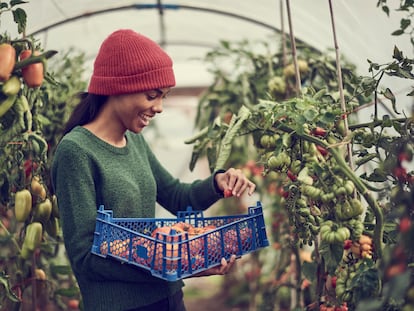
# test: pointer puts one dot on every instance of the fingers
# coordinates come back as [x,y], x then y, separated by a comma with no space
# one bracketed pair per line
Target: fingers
[226,266]
[223,269]
[238,183]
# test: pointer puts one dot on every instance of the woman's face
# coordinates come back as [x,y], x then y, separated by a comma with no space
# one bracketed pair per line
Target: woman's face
[135,111]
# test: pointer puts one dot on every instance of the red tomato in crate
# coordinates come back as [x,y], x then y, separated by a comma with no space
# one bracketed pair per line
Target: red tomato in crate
[231,244]
[246,235]
[167,241]
[117,247]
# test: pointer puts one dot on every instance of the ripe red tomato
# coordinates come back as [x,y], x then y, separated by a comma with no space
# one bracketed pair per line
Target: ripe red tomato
[227,193]
[33,73]
[7,60]
[405,224]
[73,304]
[319,131]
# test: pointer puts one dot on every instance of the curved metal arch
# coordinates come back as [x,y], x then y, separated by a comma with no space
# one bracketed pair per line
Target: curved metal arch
[161,7]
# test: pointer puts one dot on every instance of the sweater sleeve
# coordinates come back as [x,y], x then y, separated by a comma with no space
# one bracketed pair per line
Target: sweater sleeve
[74,184]
[174,195]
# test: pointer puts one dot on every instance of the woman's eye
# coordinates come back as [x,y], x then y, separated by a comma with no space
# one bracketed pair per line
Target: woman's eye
[152,96]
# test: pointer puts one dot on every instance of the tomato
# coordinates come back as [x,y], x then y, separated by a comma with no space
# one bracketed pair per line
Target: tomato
[405,224]
[365,239]
[277,85]
[37,188]
[289,71]
[33,73]
[227,117]
[42,211]
[323,151]
[319,131]
[347,244]
[29,166]
[227,193]
[400,173]
[291,176]
[73,304]
[333,281]
[7,60]
[269,141]
[33,236]
[22,205]
[303,66]
[40,274]
[11,86]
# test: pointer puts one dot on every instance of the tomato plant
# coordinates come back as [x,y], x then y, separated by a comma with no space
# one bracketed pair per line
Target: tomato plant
[31,117]
[342,187]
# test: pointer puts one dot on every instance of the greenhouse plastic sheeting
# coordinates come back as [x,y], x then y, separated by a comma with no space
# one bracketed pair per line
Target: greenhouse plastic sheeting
[189,29]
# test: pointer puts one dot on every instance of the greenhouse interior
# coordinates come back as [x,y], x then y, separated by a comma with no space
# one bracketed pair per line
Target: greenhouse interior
[289,128]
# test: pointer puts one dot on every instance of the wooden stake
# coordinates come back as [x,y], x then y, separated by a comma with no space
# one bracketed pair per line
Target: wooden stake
[340,85]
[293,46]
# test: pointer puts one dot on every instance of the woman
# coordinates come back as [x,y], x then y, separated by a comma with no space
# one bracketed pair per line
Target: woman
[104,159]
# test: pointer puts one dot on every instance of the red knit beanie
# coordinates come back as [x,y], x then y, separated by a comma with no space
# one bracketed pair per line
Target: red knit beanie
[128,62]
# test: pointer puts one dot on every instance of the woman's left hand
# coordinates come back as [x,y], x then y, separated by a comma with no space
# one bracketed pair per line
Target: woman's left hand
[235,182]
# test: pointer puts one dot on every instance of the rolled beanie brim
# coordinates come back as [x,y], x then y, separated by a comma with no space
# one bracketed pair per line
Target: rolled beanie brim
[160,78]
[129,62]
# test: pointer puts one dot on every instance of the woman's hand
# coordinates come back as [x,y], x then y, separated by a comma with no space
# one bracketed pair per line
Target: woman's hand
[234,182]
[223,269]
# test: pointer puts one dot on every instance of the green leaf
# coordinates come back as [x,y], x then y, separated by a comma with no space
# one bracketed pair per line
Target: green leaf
[17,2]
[397,54]
[386,9]
[377,176]
[398,32]
[328,117]
[404,23]
[232,132]
[20,17]
[310,114]
[390,95]
[4,280]
[319,94]
[67,292]
[309,270]
[301,105]
[386,121]
[61,269]
[365,283]
[332,253]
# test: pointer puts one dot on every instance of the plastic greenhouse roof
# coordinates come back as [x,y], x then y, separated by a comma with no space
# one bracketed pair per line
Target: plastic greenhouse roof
[189,29]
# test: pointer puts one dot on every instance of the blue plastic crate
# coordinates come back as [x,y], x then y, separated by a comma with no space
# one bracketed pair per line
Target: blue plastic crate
[184,251]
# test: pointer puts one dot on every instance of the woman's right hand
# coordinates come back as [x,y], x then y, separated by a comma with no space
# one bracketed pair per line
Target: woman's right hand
[222,269]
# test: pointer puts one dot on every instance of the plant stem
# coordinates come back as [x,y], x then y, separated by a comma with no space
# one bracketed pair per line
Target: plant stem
[9,234]
[34,59]
[360,186]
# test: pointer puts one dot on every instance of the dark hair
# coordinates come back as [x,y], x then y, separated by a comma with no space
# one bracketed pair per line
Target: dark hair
[86,110]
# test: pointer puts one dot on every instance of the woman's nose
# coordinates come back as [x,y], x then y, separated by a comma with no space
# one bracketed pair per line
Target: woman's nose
[158,106]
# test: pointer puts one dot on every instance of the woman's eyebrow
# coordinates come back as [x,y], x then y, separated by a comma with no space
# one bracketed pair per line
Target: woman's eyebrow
[161,93]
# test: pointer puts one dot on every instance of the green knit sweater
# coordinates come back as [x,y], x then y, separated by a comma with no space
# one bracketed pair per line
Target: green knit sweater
[88,172]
